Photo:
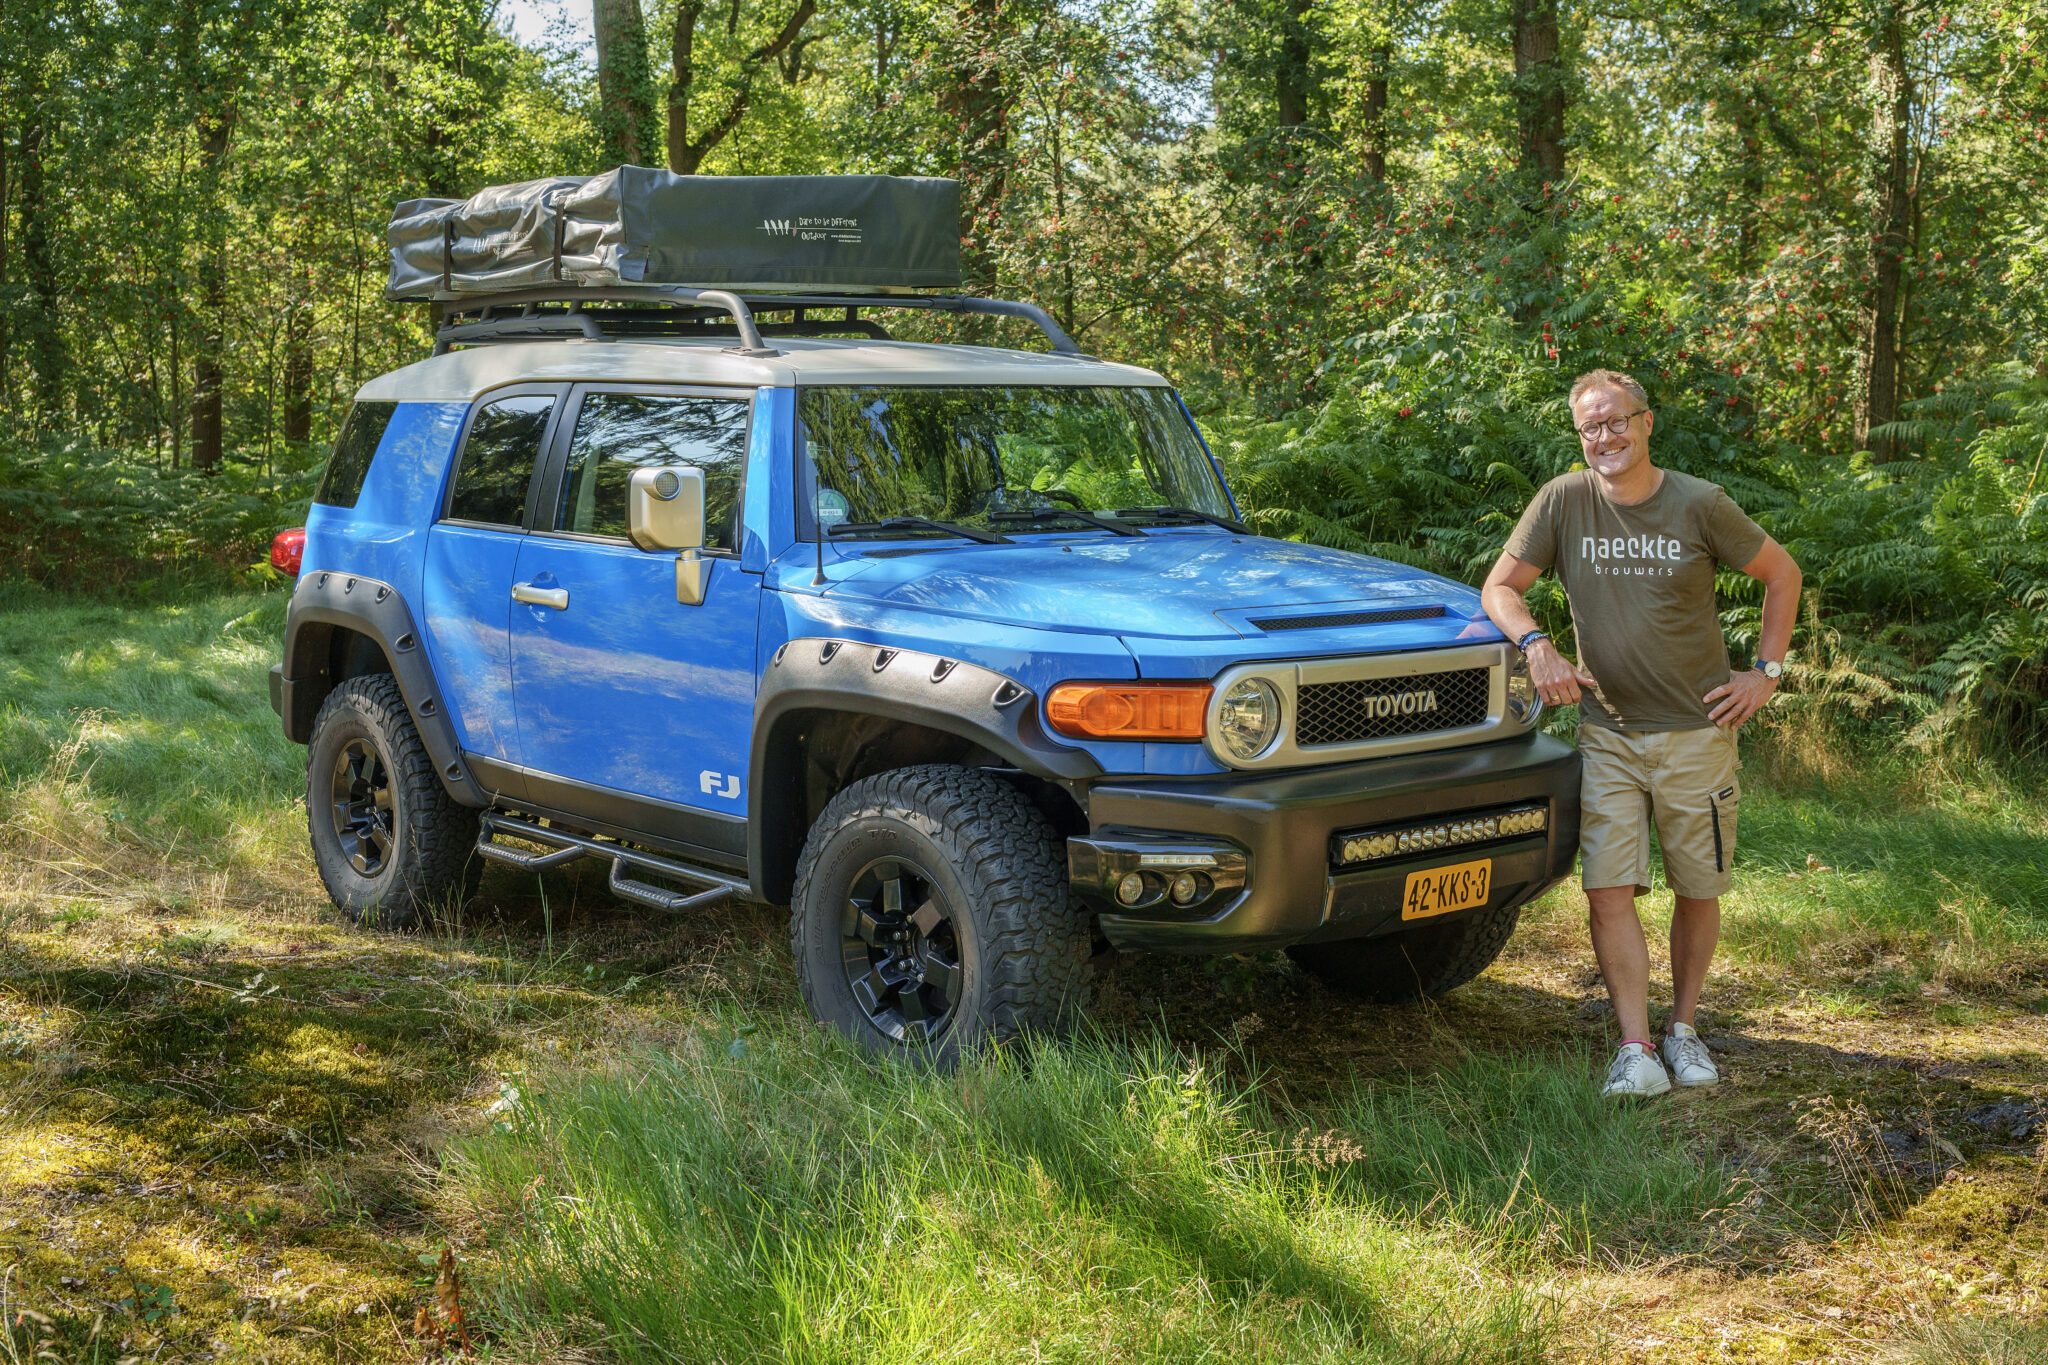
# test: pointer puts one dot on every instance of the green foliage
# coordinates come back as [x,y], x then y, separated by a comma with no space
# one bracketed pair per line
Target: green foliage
[1439,425]
[324,113]
[1931,573]
[1320,222]
[74,516]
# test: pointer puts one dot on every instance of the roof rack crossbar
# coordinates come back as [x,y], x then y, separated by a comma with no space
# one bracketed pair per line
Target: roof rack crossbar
[942,303]
[740,307]
[720,300]
[497,327]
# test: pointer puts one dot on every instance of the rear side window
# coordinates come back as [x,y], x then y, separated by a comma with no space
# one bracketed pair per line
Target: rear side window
[617,433]
[498,460]
[349,465]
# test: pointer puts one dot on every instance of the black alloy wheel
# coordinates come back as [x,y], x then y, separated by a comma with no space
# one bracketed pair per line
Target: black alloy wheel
[390,841]
[930,915]
[362,806]
[901,951]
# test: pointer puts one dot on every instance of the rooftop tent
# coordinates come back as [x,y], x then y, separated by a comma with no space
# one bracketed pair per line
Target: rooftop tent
[634,225]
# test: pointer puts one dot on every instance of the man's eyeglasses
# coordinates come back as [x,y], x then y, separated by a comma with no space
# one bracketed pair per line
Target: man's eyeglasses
[1614,426]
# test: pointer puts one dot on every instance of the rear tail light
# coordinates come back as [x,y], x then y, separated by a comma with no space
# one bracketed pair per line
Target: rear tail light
[1129,710]
[287,549]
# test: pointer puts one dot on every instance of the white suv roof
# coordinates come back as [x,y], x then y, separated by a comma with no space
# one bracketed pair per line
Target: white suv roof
[460,376]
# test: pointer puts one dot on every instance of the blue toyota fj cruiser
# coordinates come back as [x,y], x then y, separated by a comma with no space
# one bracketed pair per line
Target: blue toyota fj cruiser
[959,652]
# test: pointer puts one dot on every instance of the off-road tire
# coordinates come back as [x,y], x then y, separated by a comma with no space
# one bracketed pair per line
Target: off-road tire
[428,864]
[1415,964]
[1022,945]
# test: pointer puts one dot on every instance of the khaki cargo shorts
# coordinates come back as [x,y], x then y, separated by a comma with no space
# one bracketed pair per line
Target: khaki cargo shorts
[1684,780]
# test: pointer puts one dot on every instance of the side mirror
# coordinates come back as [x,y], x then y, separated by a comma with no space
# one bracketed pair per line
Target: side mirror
[665,511]
[665,508]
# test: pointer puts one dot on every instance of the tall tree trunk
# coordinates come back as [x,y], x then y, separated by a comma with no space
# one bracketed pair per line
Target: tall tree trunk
[1294,79]
[1539,89]
[1887,174]
[1749,180]
[215,128]
[6,264]
[885,48]
[624,83]
[682,75]
[975,104]
[45,340]
[1056,128]
[298,374]
[685,153]
[1379,60]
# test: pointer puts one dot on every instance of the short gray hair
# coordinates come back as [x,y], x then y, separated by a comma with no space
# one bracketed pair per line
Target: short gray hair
[1606,379]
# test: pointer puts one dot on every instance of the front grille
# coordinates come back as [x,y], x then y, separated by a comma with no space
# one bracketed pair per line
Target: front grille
[1381,708]
[1349,618]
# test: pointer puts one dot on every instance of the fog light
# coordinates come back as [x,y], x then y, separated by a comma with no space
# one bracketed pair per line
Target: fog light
[1184,888]
[1362,847]
[1130,889]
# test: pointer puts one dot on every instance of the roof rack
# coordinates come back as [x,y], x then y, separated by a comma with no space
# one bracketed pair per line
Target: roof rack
[693,311]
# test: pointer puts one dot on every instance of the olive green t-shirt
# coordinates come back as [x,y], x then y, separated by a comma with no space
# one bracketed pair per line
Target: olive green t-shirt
[1641,585]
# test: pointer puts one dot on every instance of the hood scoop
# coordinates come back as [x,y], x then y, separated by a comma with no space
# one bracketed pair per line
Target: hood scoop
[1348,618]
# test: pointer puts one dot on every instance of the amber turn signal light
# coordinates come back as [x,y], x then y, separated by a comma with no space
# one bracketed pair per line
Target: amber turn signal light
[1135,710]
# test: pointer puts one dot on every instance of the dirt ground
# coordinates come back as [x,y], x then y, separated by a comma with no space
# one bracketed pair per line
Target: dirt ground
[221,1111]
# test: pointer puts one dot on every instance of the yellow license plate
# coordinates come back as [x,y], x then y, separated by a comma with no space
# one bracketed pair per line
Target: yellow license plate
[1444,889]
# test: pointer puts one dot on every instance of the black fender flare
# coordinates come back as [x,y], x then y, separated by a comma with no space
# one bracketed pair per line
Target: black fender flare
[323,600]
[813,673]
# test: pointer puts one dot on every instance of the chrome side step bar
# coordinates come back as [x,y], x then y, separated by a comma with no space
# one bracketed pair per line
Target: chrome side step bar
[565,847]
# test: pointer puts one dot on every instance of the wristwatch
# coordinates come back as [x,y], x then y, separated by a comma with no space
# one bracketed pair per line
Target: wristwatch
[1531,638]
[1770,668]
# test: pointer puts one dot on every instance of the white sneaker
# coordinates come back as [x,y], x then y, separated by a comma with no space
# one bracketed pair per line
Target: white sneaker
[1636,1071]
[1688,1058]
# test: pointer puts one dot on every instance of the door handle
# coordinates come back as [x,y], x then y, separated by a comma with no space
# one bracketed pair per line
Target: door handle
[558,598]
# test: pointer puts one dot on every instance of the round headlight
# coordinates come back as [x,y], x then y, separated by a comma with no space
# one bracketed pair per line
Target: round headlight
[1248,717]
[1524,705]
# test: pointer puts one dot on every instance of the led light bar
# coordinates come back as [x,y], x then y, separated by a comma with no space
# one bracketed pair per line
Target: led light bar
[1361,848]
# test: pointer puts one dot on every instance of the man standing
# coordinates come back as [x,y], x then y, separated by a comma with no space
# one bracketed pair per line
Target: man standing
[1636,549]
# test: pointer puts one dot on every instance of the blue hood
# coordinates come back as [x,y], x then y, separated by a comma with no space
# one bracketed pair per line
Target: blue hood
[1173,586]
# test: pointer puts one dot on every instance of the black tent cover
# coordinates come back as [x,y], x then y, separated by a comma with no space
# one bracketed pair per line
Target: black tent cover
[636,225]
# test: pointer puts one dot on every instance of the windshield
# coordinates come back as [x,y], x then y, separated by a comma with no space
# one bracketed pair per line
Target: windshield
[1004,460]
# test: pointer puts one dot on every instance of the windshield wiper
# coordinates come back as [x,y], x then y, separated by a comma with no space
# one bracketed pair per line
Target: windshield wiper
[1183,514]
[1037,514]
[980,537]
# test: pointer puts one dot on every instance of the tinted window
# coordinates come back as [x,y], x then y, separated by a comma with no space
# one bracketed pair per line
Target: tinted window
[498,460]
[349,465]
[617,433]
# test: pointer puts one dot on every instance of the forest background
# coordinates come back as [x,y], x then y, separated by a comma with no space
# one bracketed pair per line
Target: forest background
[1372,244]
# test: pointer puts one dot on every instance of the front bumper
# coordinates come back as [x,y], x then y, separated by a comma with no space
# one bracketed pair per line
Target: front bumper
[1280,826]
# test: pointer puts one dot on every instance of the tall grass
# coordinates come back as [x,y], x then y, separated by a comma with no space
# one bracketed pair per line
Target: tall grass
[1881,862]
[1520,1149]
[1971,885]
[784,1199]
[139,738]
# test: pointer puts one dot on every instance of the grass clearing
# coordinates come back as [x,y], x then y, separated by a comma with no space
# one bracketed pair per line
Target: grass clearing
[778,1197]
[233,1127]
